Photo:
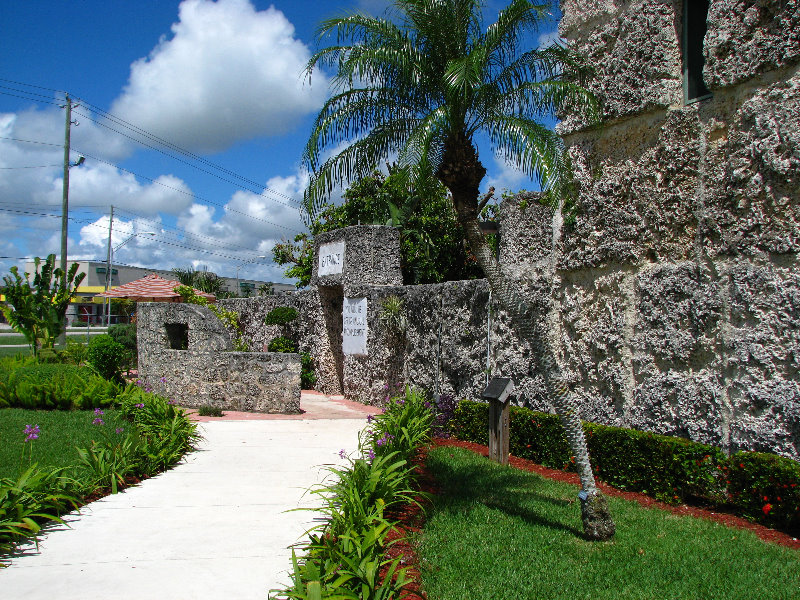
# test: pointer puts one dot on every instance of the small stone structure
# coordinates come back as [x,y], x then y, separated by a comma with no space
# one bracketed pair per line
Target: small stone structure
[185,354]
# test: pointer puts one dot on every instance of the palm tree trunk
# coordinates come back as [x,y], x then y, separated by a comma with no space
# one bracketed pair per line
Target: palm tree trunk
[460,162]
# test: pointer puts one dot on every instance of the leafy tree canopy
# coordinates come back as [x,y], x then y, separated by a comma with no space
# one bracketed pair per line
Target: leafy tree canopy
[431,240]
[36,309]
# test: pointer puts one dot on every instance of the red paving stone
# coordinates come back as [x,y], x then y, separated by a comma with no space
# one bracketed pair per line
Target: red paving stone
[313,405]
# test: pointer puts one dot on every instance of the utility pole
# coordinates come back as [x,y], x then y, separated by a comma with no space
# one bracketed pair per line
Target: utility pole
[65,193]
[107,301]
[62,339]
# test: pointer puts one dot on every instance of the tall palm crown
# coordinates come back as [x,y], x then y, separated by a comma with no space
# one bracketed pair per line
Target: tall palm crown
[422,84]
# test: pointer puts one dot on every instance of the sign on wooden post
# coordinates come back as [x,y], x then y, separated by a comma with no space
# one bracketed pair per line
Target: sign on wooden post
[497,393]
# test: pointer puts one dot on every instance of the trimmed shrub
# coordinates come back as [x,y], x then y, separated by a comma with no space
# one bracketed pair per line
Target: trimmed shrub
[765,487]
[308,377]
[125,334]
[107,356]
[282,344]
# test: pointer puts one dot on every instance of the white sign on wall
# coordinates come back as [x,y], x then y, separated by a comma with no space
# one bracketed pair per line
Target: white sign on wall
[354,326]
[331,258]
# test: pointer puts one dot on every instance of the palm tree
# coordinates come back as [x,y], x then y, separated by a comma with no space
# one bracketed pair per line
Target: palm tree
[421,84]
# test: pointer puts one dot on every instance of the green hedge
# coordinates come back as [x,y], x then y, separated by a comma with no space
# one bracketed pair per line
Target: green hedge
[53,386]
[763,487]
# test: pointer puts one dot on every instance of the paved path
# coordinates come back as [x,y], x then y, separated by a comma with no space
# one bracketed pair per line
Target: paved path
[214,527]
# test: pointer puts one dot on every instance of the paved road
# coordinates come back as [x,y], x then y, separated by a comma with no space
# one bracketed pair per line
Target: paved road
[214,527]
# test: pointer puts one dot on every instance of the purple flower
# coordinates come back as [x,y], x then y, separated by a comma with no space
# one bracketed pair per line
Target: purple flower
[342,453]
[31,432]
[427,404]
[170,401]
[163,380]
[137,382]
[147,389]
[370,418]
[97,412]
[140,405]
[98,421]
[119,430]
[371,454]
[386,386]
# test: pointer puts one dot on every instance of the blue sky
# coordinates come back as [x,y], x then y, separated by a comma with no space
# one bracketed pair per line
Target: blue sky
[221,81]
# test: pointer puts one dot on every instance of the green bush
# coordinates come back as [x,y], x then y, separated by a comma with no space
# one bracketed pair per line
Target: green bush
[281,315]
[125,334]
[282,344]
[165,431]
[345,556]
[55,386]
[765,487]
[107,356]
[308,377]
[207,410]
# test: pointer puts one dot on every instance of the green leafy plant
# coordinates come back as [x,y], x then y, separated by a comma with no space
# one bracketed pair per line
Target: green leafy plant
[308,376]
[54,386]
[345,556]
[393,315]
[36,496]
[36,309]
[282,344]
[280,315]
[125,335]
[165,431]
[766,488]
[109,461]
[207,410]
[229,318]
[107,356]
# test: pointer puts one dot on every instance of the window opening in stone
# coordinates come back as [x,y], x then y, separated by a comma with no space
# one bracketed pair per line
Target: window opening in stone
[695,15]
[177,335]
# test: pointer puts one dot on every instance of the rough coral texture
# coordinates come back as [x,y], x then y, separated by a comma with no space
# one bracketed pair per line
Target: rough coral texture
[206,372]
[746,38]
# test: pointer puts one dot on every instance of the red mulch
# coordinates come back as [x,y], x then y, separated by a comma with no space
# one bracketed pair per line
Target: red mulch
[412,517]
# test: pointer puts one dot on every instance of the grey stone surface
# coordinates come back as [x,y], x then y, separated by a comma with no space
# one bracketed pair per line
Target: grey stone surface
[634,50]
[746,38]
[207,372]
[371,256]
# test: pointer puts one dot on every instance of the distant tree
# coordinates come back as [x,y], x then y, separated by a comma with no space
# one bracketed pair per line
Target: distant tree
[37,309]
[203,280]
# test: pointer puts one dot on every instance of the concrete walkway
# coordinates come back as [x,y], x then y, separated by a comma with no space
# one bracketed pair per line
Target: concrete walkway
[214,527]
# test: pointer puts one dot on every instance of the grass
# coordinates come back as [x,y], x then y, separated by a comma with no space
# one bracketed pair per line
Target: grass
[61,432]
[14,351]
[496,532]
[11,339]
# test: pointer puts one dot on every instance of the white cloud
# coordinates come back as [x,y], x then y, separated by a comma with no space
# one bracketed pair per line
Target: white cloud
[228,73]
[506,176]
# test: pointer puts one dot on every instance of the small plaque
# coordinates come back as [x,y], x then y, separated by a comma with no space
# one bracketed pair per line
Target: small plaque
[354,326]
[331,259]
[499,389]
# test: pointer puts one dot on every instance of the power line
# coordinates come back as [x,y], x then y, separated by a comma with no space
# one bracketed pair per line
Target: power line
[219,204]
[96,110]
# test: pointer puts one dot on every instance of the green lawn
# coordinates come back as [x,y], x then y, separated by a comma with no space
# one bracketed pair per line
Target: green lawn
[60,433]
[14,351]
[10,339]
[496,532]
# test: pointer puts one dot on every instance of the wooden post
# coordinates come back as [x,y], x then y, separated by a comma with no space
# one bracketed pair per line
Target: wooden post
[497,393]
